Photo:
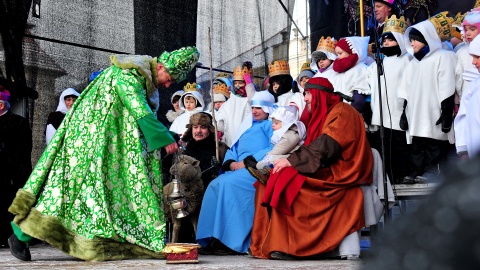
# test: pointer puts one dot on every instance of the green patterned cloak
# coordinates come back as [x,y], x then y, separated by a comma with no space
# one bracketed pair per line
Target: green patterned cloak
[96,192]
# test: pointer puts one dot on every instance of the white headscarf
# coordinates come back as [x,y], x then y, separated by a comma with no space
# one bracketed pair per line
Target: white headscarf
[62,107]
[262,99]
[288,116]
[265,100]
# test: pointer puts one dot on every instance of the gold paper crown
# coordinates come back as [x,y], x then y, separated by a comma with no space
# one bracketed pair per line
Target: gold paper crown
[394,24]
[190,87]
[457,23]
[222,75]
[326,44]
[305,66]
[279,67]
[222,89]
[477,4]
[238,73]
[443,25]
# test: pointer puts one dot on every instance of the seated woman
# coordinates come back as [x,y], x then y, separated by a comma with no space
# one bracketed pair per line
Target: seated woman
[227,208]
[313,200]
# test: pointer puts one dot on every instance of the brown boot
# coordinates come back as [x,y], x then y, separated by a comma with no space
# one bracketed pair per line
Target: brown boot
[262,178]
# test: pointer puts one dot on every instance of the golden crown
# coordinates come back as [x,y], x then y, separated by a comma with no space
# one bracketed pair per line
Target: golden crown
[477,4]
[222,75]
[394,24]
[457,23]
[279,67]
[443,25]
[221,89]
[326,44]
[239,71]
[190,87]
[305,66]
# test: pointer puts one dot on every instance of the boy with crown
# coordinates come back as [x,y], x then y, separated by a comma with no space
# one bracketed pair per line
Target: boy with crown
[427,89]
[305,74]
[237,107]
[281,86]
[191,102]
[96,192]
[323,57]
[395,60]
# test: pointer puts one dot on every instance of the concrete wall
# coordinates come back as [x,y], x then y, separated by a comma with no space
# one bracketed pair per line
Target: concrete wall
[237,31]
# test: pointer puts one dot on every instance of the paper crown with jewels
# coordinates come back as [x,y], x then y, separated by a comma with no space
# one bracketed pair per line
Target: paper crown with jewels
[279,67]
[394,24]
[239,71]
[221,89]
[190,87]
[457,23]
[326,44]
[222,75]
[443,24]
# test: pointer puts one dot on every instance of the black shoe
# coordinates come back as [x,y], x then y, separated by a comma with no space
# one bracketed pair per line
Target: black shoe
[276,255]
[19,249]
[262,178]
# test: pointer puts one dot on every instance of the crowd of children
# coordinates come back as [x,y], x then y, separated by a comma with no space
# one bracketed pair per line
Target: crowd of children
[422,83]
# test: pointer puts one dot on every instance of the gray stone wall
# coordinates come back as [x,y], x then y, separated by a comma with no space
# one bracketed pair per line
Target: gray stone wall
[237,31]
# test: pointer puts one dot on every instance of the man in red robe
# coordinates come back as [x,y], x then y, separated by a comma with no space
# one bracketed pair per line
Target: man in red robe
[313,199]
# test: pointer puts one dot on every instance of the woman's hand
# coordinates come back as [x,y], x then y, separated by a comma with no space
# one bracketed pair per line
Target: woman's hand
[280,164]
[237,165]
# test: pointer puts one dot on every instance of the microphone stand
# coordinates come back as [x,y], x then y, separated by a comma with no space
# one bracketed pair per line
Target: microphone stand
[380,70]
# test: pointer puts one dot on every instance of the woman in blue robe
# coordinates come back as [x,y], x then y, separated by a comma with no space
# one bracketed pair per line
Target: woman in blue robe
[228,204]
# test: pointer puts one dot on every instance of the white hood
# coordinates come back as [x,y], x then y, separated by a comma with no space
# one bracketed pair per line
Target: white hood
[61,101]
[401,42]
[197,96]
[359,45]
[429,33]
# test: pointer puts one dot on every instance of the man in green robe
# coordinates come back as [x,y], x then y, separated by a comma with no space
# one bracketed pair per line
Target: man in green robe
[96,192]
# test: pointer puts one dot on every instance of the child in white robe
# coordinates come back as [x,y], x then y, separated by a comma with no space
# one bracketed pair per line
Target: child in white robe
[427,89]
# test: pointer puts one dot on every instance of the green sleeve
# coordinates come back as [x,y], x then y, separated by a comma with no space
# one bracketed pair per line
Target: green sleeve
[156,134]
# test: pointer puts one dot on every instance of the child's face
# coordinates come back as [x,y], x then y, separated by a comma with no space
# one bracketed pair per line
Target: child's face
[341,53]
[275,86]
[387,42]
[476,61]
[416,45]
[470,32]
[69,102]
[239,84]
[276,124]
[190,103]
[176,106]
[303,81]
[218,104]
[324,63]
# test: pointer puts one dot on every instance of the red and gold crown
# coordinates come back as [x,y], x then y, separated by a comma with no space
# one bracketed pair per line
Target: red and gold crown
[279,67]
[190,87]
[221,89]
[443,25]
[394,24]
[326,44]
[239,71]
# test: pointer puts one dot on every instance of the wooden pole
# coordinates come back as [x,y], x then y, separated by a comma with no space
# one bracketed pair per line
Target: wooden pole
[214,122]
[362,23]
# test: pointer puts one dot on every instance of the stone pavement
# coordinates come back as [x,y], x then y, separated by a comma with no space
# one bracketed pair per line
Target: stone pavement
[46,257]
